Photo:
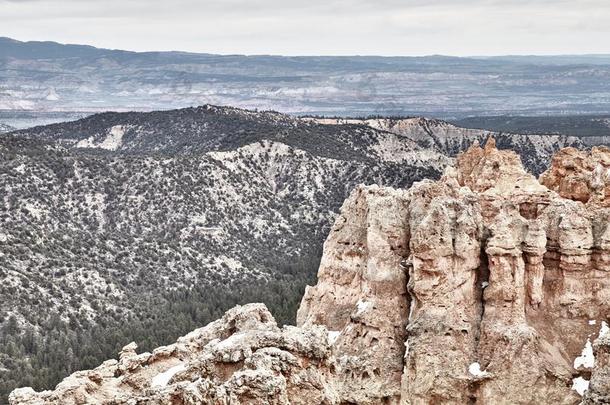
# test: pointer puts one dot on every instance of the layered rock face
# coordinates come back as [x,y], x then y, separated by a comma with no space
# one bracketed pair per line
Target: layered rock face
[484,287]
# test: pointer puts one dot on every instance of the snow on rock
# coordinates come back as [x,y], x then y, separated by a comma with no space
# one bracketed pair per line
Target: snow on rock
[580,385]
[586,359]
[475,370]
[362,306]
[604,329]
[229,342]
[592,322]
[162,379]
[332,336]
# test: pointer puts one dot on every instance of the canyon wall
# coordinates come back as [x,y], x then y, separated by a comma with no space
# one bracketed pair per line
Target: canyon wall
[487,286]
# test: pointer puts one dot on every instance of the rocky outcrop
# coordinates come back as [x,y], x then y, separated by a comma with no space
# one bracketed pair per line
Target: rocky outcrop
[581,175]
[241,358]
[362,281]
[484,287]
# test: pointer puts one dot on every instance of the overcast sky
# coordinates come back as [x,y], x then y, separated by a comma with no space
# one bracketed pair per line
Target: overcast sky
[318,27]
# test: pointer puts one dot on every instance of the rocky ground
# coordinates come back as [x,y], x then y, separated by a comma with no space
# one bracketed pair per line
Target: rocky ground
[487,286]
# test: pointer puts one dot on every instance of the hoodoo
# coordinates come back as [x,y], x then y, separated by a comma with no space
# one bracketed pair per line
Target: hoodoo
[486,286]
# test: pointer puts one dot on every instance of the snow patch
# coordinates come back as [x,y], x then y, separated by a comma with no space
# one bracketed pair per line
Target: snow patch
[580,385]
[198,219]
[332,336]
[592,322]
[475,370]
[231,263]
[586,359]
[20,169]
[162,379]
[86,143]
[33,210]
[411,308]
[362,306]
[604,329]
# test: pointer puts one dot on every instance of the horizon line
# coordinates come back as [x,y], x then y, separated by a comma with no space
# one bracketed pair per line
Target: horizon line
[431,55]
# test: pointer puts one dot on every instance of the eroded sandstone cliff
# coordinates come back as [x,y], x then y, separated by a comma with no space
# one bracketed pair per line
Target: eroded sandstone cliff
[487,286]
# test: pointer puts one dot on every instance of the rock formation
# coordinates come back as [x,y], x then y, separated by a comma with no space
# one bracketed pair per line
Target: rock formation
[581,175]
[484,287]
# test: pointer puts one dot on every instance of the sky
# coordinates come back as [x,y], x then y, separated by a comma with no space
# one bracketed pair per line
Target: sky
[318,27]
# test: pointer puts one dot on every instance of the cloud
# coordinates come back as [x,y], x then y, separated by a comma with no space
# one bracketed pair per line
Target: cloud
[387,27]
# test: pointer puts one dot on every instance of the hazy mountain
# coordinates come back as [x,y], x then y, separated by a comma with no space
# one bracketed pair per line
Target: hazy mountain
[592,59]
[19,119]
[46,76]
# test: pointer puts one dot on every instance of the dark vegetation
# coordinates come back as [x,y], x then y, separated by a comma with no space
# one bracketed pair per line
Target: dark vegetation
[41,355]
[575,125]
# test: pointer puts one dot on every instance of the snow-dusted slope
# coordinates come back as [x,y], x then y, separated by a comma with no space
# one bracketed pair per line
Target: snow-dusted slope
[212,128]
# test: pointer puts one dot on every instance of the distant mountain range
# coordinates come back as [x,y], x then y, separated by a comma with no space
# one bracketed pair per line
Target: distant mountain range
[46,76]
